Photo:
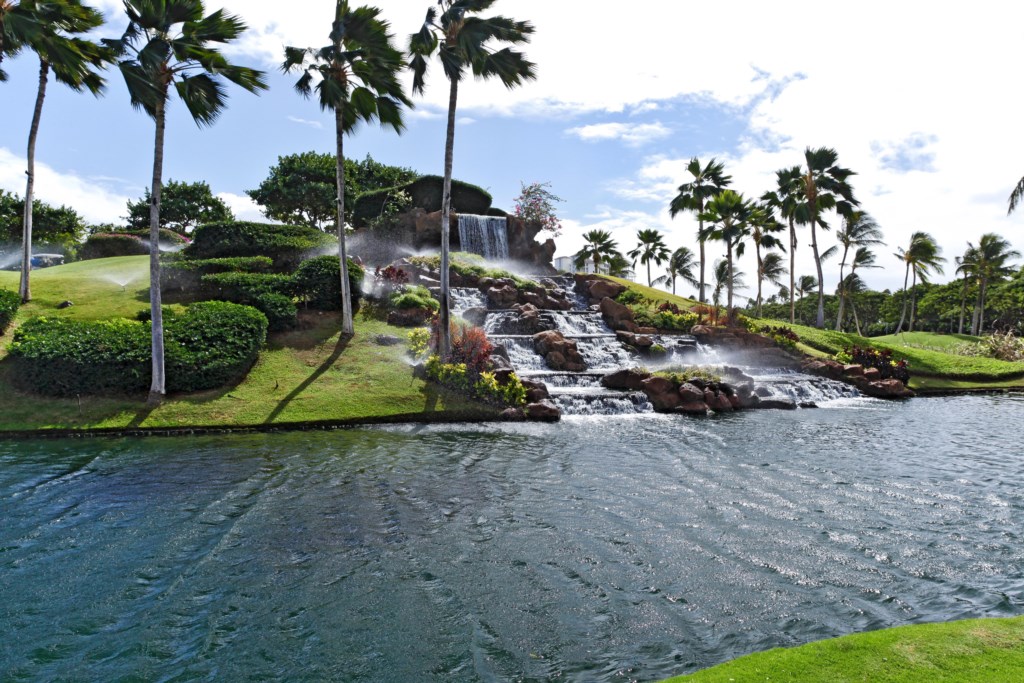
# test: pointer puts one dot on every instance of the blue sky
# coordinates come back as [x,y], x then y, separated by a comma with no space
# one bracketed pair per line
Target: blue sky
[919,102]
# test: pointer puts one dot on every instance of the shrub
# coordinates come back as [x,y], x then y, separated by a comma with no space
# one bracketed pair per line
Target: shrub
[679,376]
[9,304]
[470,345]
[780,334]
[185,275]
[167,237]
[107,245]
[882,360]
[413,297]
[419,342]
[664,316]
[472,265]
[512,393]
[318,282]
[286,245]
[631,296]
[425,193]
[209,345]
[267,292]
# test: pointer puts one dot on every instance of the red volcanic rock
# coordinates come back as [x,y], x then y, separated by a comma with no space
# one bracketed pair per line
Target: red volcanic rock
[662,394]
[543,411]
[599,289]
[631,379]
[615,314]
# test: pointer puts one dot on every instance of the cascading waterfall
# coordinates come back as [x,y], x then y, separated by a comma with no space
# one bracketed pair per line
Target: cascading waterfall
[484,235]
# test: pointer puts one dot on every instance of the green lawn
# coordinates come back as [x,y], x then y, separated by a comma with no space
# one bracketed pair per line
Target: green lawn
[306,375]
[928,340]
[990,650]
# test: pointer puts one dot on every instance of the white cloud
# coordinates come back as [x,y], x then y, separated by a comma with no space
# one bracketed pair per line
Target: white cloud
[465,121]
[632,134]
[244,208]
[305,122]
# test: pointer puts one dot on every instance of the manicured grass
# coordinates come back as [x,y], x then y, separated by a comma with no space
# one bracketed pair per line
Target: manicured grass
[307,375]
[990,650]
[928,340]
[654,294]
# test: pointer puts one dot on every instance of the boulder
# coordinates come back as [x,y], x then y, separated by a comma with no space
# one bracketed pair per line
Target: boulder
[502,296]
[887,388]
[630,379]
[559,352]
[409,317]
[853,370]
[690,394]
[475,315]
[600,289]
[626,337]
[543,411]
[647,330]
[642,341]
[777,404]
[872,374]
[693,408]
[615,314]
[511,415]
[719,402]
[662,394]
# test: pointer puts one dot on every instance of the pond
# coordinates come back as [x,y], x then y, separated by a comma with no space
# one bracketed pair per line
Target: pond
[599,549]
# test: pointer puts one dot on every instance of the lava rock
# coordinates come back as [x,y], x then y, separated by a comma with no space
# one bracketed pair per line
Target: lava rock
[662,393]
[543,411]
[630,379]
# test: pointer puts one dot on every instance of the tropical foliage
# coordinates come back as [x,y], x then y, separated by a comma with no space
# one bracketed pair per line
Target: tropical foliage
[536,204]
[708,180]
[183,207]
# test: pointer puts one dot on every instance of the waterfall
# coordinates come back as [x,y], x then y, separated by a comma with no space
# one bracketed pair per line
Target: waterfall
[484,235]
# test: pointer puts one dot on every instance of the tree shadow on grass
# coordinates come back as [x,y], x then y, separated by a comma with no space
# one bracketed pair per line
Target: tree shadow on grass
[339,348]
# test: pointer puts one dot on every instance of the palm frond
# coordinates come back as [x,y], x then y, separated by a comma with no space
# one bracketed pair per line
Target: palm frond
[1015,197]
[203,95]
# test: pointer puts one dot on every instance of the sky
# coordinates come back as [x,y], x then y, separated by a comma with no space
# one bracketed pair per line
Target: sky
[920,99]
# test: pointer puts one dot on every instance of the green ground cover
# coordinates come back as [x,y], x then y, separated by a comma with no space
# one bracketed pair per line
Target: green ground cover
[305,375]
[928,340]
[990,650]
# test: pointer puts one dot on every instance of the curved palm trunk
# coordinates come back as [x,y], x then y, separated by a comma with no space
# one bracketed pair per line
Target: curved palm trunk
[981,307]
[159,386]
[903,312]
[24,290]
[792,267]
[760,277]
[700,241]
[445,334]
[842,291]
[856,322]
[649,273]
[347,326]
[963,306]
[820,320]
[728,285]
[913,301]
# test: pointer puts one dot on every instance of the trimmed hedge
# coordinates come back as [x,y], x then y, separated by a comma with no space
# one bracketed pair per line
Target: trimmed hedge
[286,245]
[167,236]
[318,282]
[414,297]
[10,301]
[107,245]
[185,275]
[210,345]
[269,293]
[426,192]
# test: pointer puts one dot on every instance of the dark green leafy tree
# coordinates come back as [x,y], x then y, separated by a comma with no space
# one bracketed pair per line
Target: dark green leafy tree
[183,207]
[922,256]
[680,265]
[650,249]
[58,228]
[598,248]
[169,47]
[356,77]
[465,42]
[54,30]
[707,181]
[729,213]
[859,229]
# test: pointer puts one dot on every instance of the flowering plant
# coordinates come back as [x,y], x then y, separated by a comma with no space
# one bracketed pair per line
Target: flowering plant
[537,203]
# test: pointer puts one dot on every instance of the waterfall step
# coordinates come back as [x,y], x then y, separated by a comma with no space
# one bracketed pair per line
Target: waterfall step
[567,336]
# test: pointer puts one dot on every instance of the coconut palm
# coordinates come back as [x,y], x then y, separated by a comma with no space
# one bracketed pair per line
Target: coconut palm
[1016,197]
[921,257]
[987,262]
[356,77]
[784,199]
[862,258]
[771,268]
[598,247]
[618,265]
[170,43]
[824,187]
[964,267]
[728,278]
[762,226]
[463,41]
[859,229]
[707,181]
[730,215]
[680,265]
[73,61]
[650,248]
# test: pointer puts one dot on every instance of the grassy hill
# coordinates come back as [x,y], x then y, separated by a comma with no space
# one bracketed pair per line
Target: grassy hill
[305,375]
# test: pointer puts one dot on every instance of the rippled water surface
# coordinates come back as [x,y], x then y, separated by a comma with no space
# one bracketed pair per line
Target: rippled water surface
[607,549]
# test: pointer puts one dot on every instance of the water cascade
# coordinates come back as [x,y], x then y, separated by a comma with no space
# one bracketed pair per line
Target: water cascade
[484,235]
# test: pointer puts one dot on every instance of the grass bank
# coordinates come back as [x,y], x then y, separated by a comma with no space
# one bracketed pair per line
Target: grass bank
[990,650]
[309,375]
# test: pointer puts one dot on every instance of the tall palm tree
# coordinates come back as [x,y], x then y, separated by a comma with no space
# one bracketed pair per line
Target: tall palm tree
[1016,197]
[598,247]
[823,187]
[859,229]
[784,198]
[680,265]
[987,262]
[463,41]
[922,256]
[650,247]
[771,268]
[762,226]
[965,267]
[73,61]
[707,181]
[730,215]
[728,278]
[170,42]
[862,258]
[356,77]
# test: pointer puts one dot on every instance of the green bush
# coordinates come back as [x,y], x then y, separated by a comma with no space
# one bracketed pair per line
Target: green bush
[9,304]
[425,193]
[317,281]
[270,293]
[413,297]
[167,236]
[286,245]
[185,275]
[107,245]
[211,344]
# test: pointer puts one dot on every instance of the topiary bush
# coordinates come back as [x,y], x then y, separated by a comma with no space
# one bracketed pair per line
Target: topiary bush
[286,245]
[270,293]
[317,282]
[10,302]
[413,297]
[185,275]
[211,344]
[108,245]
[167,237]
[425,192]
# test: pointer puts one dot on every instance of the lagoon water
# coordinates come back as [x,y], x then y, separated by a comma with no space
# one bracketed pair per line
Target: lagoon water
[599,549]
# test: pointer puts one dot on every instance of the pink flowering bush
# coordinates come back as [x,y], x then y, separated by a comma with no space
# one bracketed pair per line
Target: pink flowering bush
[536,203]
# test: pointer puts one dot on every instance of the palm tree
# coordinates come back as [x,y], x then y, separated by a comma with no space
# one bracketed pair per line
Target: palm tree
[598,247]
[862,258]
[762,225]
[73,61]
[651,247]
[680,265]
[964,267]
[823,187]
[859,229]
[773,269]
[728,278]
[707,181]
[169,42]
[462,42]
[987,262]
[1016,197]
[356,77]
[784,199]
[922,256]
[730,214]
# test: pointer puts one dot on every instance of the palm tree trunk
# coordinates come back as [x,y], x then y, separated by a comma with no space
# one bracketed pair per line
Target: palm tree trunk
[25,289]
[760,277]
[159,386]
[981,309]
[347,325]
[820,320]
[963,306]
[976,315]
[856,322]
[649,273]
[913,301]
[444,334]
[792,266]
[903,312]
[700,294]
[842,291]
[728,284]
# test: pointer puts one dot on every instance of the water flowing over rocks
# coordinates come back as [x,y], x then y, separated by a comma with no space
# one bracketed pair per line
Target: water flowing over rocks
[867,380]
